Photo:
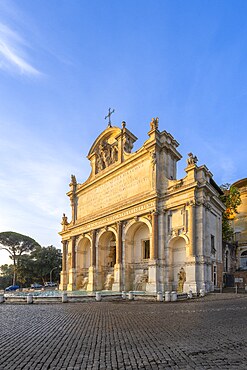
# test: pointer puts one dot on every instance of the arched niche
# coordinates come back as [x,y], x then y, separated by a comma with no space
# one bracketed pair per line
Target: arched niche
[83,254]
[106,259]
[137,254]
[177,259]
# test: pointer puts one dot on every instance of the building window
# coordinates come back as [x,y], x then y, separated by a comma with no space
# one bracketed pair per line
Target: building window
[146,249]
[243,260]
[227,261]
[215,275]
[213,250]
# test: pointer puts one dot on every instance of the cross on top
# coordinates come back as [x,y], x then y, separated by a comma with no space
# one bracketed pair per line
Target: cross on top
[109,116]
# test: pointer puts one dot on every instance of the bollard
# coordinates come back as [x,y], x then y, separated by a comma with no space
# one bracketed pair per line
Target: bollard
[64,297]
[131,296]
[174,296]
[160,297]
[167,296]
[202,293]
[1,298]
[98,296]
[124,295]
[190,294]
[29,298]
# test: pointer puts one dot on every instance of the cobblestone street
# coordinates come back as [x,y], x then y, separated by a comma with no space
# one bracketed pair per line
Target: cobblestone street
[209,333]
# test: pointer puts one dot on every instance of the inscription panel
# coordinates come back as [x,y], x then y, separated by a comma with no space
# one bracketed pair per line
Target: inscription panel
[134,181]
[137,210]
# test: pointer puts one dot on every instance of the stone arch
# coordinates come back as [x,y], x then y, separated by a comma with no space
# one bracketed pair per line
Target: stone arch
[134,222]
[177,259]
[103,231]
[106,258]
[81,237]
[83,261]
[137,253]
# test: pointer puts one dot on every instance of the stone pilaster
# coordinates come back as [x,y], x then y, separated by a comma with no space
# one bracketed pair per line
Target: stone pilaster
[64,267]
[63,274]
[191,229]
[72,271]
[152,285]
[117,285]
[92,268]
[154,240]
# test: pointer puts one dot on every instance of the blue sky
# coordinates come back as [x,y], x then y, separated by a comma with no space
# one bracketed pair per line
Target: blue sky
[63,63]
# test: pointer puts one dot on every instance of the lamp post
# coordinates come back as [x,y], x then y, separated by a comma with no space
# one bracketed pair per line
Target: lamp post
[54,268]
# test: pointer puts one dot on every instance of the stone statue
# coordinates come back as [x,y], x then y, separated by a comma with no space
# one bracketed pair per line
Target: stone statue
[114,154]
[84,283]
[73,180]
[64,222]
[140,281]
[108,281]
[128,144]
[100,165]
[106,155]
[192,159]
[181,280]
[154,124]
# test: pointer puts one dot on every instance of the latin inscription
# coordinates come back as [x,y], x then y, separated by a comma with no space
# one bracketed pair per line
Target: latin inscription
[134,181]
[116,217]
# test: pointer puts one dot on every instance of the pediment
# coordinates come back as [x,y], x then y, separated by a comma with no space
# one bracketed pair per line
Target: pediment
[108,136]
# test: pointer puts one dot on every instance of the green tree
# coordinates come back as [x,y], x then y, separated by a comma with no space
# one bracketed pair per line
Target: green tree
[39,265]
[16,245]
[231,198]
[6,275]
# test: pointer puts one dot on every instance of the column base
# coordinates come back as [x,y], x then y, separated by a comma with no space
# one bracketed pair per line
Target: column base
[91,279]
[190,285]
[72,280]
[117,285]
[152,284]
[63,280]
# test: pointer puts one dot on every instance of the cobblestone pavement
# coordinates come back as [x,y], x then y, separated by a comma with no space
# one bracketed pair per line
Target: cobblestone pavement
[209,333]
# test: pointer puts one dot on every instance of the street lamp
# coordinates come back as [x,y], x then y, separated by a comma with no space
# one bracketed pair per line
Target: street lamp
[54,268]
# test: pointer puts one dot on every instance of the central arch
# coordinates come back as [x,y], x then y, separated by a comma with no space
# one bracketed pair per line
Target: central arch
[106,260]
[137,255]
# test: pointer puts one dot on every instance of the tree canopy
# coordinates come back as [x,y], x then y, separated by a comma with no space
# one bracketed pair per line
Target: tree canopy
[35,267]
[16,245]
[231,198]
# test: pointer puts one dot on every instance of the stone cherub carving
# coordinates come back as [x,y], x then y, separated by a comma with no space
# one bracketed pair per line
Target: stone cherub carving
[154,124]
[192,159]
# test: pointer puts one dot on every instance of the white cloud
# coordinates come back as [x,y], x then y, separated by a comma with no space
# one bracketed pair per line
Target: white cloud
[34,179]
[12,52]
